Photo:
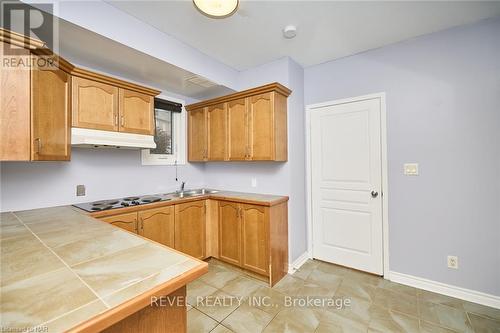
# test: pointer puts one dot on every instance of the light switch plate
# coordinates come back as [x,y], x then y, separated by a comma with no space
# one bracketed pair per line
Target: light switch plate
[411,169]
[254,182]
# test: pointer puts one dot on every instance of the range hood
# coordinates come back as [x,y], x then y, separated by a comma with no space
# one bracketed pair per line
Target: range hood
[89,138]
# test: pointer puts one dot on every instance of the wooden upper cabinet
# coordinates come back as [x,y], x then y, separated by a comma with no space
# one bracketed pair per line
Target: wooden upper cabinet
[190,228]
[158,225]
[94,105]
[237,128]
[197,135]
[255,244]
[15,113]
[255,126]
[136,112]
[50,115]
[217,132]
[229,232]
[261,126]
[35,120]
[126,221]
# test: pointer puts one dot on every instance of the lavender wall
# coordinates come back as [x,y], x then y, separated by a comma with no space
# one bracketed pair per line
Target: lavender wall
[443,111]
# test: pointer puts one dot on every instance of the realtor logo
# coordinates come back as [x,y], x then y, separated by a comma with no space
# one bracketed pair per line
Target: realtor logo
[33,22]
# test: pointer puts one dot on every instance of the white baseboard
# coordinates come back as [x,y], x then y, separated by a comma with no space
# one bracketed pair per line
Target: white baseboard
[446,289]
[298,262]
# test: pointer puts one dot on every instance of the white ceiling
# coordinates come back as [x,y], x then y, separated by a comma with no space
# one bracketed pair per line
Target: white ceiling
[327,30]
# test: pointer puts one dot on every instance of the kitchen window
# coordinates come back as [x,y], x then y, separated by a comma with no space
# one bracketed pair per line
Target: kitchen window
[170,134]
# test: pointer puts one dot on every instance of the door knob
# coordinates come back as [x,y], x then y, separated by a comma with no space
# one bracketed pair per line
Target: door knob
[374,194]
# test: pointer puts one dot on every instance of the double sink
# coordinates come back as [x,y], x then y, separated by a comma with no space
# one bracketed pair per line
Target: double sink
[192,193]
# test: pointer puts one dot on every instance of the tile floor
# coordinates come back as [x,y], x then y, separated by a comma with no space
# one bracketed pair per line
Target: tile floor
[226,300]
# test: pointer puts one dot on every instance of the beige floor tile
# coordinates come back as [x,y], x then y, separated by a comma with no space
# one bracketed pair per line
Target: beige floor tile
[197,290]
[358,311]
[198,322]
[310,289]
[326,280]
[294,320]
[445,316]
[482,310]
[397,287]
[221,329]
[268,300]
[289,285]
[396,301]
[219,305]
[326,327]
[364,278]
[428,296]
[333,269]
[242,286]
[388,321]
[338,322]
[306,269]
[349,289]
[20,300]
[247,319]
[484,325]
[426,327]
[218,277]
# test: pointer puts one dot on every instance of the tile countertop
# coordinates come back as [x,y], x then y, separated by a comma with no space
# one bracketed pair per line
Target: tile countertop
[60,268]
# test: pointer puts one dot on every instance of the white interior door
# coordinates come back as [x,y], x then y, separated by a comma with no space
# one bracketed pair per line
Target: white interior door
[346,184]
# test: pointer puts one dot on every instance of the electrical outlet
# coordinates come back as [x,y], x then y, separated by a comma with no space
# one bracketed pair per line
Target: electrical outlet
[453,262]
[80,190]
[254,182]
[411,169]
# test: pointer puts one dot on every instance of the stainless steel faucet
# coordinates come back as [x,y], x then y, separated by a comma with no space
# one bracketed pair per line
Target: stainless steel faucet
[182,186]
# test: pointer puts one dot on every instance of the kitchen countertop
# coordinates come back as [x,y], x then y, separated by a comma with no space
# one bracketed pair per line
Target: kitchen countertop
[243,197]
[60,268]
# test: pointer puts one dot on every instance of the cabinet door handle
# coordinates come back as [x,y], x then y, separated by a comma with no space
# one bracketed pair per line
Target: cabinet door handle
[116,120]
[122,121]
[38,145]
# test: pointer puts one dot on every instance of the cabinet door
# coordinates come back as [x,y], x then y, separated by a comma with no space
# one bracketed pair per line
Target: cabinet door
[237,129]
[229,232]
[158,225]
[190,228]
[50,115]
[94,105]
[15,123]
[254,238]
[197,135]
[126,221]
[261,127]
[136,112]
[217,130]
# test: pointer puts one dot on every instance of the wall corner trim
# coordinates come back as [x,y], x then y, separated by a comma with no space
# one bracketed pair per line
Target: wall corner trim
[297,263]
[446,289]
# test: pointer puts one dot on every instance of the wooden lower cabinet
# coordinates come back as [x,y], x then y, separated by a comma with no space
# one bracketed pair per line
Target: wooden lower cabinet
[158,225]
[190,228]
[126,221]
[245,239]
[254,235]
[230,232]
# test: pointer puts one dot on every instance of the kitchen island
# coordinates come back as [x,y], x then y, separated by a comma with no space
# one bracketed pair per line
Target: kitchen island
[62,270]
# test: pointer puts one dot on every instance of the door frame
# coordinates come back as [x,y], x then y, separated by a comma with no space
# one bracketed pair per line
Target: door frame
[385,193]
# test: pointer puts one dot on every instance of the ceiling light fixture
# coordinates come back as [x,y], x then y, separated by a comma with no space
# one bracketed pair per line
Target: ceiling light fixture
[216,8]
